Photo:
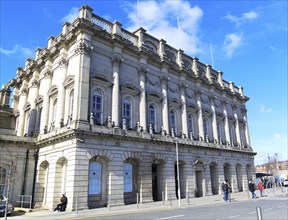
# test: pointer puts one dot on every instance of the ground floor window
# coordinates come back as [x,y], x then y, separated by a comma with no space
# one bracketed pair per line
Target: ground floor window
[95,178]
[127,177]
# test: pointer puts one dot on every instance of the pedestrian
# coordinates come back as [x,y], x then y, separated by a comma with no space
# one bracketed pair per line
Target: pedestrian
[226,188]
[61,207]
[252,188]
[260,187]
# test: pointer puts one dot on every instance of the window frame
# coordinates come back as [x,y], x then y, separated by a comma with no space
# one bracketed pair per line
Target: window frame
[128,177]
[94,190]
[127,101]
[97,106]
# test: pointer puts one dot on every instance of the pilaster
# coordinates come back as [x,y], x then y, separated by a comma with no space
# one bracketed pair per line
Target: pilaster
[182,87]
[142,70]
[237,125]
[22,102]
[226,122]
[145,181]
[165,117]
[200,116]
[214,119]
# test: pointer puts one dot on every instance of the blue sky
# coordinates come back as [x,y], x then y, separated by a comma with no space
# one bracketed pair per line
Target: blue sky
[248,38]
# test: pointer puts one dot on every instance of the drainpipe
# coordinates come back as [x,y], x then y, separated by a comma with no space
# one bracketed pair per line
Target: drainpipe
[34,175]
[25,173]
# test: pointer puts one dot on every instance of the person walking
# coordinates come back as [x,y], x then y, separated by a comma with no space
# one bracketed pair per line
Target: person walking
[225,188]
[61,207]
[251,186]
[260,187]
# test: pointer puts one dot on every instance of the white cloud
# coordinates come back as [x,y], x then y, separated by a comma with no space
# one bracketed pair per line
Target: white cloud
[246,16]
[18,49]
[264,109]
[272,48]
[73,14]
[159,18]
[231,43]
[277,136]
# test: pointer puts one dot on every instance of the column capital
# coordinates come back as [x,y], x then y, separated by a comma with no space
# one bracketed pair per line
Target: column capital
[35,83]
[83,48]
[182,85]
[23,91]
[63,62]
[48,74]
[143,69]
[117,58]
[212,98]
[164,77]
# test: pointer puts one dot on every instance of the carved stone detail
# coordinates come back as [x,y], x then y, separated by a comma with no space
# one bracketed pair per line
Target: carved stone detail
[143,69]
[48,74]
[24,91]
[63,62]
[117,58]
[83,48]
[35,83]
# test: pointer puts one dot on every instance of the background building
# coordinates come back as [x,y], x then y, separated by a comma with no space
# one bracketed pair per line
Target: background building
[102,110]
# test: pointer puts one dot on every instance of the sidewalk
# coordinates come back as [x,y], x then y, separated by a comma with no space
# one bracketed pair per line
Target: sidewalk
[146,207]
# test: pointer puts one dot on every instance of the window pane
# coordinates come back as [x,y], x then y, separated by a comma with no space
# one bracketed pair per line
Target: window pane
[95,178]
[128,177]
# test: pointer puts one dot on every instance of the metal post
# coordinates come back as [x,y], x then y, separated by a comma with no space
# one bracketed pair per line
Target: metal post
[163,198]
[22,201]
[30,210]
[137,200]
[170,198]
[187,197]
[178,175]
[77,196]
[109,201]
[259,213]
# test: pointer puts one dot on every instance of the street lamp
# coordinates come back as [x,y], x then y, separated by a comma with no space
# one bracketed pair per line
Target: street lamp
[178,176]
[277,167]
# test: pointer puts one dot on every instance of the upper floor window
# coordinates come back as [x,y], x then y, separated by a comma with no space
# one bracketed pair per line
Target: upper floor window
[190,124]
[219,131]
[152,116]
[54,110]
[205,126]
[97,107]
[71,102]
[38,118]
[3,176]
[95,173]
[127,112]
[128,177]
[173,120]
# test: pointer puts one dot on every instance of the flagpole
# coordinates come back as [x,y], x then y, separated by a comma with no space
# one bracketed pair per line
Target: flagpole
[212,56]
[138,14]
[179,32]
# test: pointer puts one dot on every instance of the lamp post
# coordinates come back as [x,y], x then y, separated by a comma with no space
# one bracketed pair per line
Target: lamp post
[277,167]
[178,176]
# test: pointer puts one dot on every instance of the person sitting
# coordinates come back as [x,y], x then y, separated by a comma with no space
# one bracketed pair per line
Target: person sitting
[61,207]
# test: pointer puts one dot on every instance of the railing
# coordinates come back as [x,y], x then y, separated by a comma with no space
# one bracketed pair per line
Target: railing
[25,199]
[106,25]
[226,84]
[129,36]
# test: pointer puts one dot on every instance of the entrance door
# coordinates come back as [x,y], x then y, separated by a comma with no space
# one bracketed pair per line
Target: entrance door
[199,182]
[154,182]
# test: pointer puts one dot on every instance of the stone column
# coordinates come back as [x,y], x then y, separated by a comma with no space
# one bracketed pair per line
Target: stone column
[165,115]
[234,183]
[33,94]
[145,181]
[219,79]
[190,180]
[238,138]
[142,70]
[5,95]
[247,135]
[200,116]
[244,176]
[208,72]
[221,176]
[182,87]
[46,99]
[169,179]
[195,66]
[116,181]
[22,102]
[226,122]
[214,119]
[116,61]
[15,98]
[81,88]
[208,190]
[61,76]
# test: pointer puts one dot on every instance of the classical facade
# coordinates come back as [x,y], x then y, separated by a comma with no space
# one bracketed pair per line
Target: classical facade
[103,110]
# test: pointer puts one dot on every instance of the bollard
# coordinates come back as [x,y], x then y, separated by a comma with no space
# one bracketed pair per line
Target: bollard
[259,213]
[170,198]
[77,197]
[109,202]
[163,198]
[187,198]
[137,200]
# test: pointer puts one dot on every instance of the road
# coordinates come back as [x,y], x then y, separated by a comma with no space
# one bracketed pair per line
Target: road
[272,208]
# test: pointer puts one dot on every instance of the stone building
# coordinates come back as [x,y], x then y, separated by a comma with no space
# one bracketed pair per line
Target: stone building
[105,110]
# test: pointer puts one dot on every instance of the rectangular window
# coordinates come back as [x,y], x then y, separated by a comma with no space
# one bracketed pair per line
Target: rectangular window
[95,178]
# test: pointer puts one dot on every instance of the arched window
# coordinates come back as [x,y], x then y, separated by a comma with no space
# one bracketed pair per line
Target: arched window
[173,120]
[3,176]
[128,177]
[54,110]
[190,124]
[219,131]
[127,112]
[71,102]
[38,119]
[97,106]
[205,126]
[152,116]
[95,173]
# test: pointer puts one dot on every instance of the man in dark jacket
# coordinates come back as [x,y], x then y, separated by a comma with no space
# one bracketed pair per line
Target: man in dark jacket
[252,189]
[61,207]
[225,187]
